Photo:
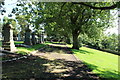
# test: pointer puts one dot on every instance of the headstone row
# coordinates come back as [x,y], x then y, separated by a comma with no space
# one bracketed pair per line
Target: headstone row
[31,39]
[8,42]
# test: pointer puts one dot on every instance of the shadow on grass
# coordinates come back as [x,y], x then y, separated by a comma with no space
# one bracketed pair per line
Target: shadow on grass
[59,43]
[82,51]
[58,49]
[34,47]
[41,68]
[106,74]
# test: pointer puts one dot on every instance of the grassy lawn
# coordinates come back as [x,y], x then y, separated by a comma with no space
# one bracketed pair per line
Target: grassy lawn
[0,43]
[18,42]
[103,63]
[24,50]
[55,43]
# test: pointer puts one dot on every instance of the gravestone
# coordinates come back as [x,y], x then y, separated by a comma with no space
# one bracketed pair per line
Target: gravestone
[42,37]
[19,37]
[8,42]
[39,38]
[27,36]
[33,38]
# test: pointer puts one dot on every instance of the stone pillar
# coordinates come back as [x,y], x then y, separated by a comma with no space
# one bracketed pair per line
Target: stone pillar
[39,38]
[33,38]
[27,40]
[19,37]
[8,43]
[42,37]
[36,37]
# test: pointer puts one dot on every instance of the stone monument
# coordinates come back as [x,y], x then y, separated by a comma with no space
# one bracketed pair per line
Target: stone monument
[40,38]
[33,39]
[19,37]
[27,36]
[8,42]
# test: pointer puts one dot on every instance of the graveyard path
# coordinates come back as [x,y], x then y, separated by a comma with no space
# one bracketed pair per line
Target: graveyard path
[56,51]
[51,62]
[65,63]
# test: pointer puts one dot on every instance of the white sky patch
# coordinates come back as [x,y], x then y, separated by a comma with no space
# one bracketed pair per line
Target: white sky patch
[115,23]
[9,5]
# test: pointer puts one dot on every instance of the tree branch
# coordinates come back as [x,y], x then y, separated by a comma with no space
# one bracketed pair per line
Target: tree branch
[62,7]
[93,7]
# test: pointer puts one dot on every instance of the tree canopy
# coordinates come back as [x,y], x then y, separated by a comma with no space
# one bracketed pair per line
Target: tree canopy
[67,19]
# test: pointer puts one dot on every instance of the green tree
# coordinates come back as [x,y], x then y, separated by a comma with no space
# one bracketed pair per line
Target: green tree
[77,19]
[70,18]
[14,24]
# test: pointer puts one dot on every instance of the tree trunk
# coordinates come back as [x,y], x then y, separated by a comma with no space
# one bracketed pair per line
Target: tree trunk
[68,40]
[75,40]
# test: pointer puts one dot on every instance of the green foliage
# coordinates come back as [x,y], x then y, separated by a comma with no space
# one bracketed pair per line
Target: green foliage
[105,42]
[28,13]
[76,19]
[65,19]
[22,52]
[13,22]
[7,20]
[118,4]
[111,42]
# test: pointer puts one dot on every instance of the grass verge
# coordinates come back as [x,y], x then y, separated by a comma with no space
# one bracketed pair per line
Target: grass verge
[18,42]
[24,50]
[103,63]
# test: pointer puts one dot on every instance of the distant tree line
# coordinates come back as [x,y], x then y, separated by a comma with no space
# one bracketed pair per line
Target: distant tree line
[107,42]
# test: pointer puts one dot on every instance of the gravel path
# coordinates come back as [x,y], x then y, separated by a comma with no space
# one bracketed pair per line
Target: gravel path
[65,62]
[53,62]
[54,51]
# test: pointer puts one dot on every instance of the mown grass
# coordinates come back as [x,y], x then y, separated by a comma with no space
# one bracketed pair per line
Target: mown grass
[18,42]
[103,63]
[25,50]
[0,43]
